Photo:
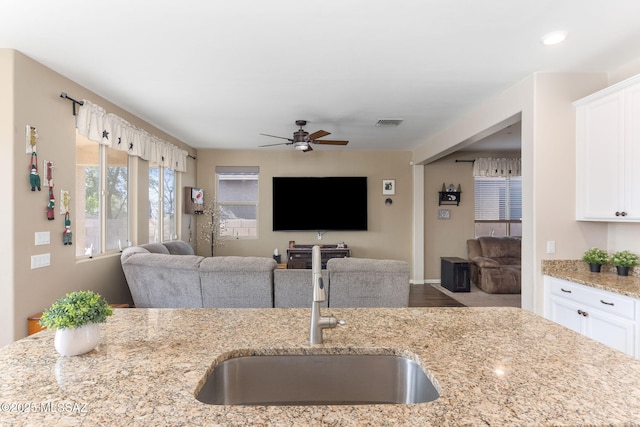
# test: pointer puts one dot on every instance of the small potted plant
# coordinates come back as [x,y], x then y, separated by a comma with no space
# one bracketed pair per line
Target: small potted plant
[595,258]
[76,318]
[623,261]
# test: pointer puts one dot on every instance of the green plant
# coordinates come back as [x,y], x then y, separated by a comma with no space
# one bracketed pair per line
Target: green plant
[595,256]
[76,309]
[624,259]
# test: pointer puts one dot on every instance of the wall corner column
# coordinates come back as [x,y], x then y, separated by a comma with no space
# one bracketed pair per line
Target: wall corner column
[417,251]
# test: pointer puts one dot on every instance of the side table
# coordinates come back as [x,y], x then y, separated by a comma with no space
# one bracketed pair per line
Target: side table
[455,274]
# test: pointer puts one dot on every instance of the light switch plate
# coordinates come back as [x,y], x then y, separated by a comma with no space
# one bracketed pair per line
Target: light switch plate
[551,246]
[39,261]
[43,238]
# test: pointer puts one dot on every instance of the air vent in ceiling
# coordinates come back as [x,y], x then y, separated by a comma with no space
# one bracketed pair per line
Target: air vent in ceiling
[388,122]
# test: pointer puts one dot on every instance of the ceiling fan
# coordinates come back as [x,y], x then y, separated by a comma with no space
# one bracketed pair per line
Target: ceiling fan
[302,139]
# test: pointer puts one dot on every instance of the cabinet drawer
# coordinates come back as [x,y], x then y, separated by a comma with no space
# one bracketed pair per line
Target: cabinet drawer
[608,302]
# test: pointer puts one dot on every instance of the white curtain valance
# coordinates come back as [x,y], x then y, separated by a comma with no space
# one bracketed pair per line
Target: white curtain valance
[502,167]
[97,125]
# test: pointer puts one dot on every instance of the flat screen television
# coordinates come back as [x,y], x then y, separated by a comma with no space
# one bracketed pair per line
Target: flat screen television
[319,203]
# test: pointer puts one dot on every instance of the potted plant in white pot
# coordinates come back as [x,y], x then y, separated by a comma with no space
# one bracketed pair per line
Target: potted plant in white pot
[595,257]
[76,318]
[623,260]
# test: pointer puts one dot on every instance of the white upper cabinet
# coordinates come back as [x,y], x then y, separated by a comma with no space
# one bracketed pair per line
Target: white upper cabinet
[608,152]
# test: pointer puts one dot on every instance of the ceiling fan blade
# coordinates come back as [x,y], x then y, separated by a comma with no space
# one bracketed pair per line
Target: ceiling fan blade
[318,134]
[307,149]
[279,143]
[274,136]
[330,142]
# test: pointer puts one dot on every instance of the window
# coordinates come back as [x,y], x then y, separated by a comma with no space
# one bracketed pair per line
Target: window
[237,200]
[162,204]
[102,204]
[498,206]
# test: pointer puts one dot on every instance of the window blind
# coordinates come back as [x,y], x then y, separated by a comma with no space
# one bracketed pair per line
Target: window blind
[498,199]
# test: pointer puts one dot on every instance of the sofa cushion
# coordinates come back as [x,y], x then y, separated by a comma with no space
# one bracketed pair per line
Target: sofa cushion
[292,288]
[178,247]
[359,282]
[237,282]
[155,248]
[500,247]
[162,280]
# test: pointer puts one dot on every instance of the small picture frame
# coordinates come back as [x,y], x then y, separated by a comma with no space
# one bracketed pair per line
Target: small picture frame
[444,214]
[388,187]
[197,196]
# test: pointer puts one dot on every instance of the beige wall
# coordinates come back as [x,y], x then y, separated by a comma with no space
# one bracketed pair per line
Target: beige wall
[552,162]
[448,237]
[37,102]
[389,230]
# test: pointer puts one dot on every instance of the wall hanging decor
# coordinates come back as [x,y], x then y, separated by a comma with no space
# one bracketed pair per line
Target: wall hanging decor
[66,234]
[449,195]
[51,205]
[48,173]
[388,187]
[34,178]
[65,199]
[444,214]
[31,139]
[48,181]
[193,201]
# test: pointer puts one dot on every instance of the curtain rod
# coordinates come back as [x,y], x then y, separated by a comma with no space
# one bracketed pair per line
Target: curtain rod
[65,96]
[465,161]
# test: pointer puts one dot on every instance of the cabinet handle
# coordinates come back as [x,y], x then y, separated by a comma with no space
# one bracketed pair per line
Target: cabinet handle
[607,303]
[565,290]
[621,213]
[583,313]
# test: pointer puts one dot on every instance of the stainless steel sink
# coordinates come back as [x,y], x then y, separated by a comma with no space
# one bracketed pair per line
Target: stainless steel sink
[317,380]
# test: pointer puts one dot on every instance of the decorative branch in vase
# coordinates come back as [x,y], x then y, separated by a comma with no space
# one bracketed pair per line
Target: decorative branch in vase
[212,225]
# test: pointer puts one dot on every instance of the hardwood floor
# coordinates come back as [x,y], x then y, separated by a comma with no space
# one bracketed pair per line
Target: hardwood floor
[427,296]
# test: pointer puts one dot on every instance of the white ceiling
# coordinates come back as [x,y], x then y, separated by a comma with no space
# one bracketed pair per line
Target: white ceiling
[216,74]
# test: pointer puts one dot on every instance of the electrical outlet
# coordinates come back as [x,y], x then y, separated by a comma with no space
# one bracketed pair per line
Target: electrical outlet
[551,246]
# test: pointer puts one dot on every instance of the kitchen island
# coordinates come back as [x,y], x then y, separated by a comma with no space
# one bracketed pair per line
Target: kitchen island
[492,366]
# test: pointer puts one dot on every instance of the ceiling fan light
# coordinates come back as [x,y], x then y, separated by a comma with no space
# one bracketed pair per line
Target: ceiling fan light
[301,146]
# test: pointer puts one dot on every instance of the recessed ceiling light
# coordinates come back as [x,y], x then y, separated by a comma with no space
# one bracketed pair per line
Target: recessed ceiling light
[554,37]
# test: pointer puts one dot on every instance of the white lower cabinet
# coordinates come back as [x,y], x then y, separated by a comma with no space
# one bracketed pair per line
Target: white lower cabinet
[603,316]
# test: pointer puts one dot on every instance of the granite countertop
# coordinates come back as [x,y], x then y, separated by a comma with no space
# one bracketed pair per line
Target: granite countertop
[608,280]
[493,366]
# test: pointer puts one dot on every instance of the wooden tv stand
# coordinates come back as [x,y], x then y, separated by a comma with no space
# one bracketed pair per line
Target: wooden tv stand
[300,256]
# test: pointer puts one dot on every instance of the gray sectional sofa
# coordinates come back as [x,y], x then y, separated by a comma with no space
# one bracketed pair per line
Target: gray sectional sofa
[169,275]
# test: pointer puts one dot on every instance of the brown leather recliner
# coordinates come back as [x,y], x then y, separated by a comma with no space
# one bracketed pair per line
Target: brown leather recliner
[495,264]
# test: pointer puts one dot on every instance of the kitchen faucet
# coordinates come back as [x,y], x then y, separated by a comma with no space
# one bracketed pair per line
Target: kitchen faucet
[319,322]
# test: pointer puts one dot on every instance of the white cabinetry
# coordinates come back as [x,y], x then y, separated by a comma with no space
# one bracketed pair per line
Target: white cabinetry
[604,316]
[608,151]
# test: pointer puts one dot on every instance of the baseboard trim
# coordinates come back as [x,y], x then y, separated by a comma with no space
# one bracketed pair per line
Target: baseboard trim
[424,282]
